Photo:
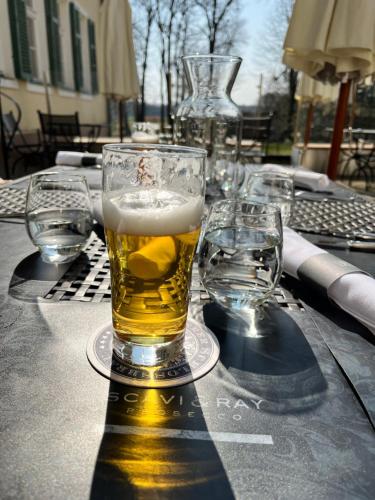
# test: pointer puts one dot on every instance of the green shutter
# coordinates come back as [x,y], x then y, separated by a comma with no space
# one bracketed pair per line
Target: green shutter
[92,51]
[20,44]
[76,46]
[53,37]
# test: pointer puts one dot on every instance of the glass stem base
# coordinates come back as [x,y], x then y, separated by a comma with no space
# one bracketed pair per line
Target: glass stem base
[147,355]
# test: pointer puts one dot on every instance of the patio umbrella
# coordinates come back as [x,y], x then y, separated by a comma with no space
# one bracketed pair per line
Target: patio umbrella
[313,91]
[333,41]
[117,68]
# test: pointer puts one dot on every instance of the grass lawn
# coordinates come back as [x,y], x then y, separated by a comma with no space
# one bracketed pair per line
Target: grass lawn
[279,149]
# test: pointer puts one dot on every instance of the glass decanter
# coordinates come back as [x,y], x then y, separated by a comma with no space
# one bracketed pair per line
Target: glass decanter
[208,118]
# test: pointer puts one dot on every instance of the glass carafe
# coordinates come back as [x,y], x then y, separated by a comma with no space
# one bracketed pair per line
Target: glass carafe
[209,118]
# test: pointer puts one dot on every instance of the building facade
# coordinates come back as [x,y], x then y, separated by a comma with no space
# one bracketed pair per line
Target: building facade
[51,44]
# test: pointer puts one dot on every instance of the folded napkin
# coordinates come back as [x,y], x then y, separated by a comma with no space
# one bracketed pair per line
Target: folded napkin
[353,292]
[144,137]
[302,178]
[77,159]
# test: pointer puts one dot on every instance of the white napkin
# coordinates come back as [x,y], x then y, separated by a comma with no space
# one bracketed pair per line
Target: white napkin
[144,137]
[76,159]
[302,177]
[354,292]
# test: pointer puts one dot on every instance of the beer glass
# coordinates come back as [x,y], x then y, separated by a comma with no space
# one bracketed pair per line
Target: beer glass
[153,200]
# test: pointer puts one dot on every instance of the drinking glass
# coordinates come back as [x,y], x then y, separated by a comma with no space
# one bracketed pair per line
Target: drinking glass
[153,200]
[58,215]
[240,255]
[271,187]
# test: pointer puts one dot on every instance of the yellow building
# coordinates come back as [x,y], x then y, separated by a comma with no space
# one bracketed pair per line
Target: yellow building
[51,41]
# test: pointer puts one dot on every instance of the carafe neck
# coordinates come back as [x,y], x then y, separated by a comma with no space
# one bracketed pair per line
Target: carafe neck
[211,76]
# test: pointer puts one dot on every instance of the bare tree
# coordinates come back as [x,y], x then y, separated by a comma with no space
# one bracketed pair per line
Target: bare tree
[142,32]
[222,23]
[281,78]
[173,19]
[180,29]
[181,47]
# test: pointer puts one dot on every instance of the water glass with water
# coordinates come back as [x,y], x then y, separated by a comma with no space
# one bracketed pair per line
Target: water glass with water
[240,255]
[58,216]
[270,187]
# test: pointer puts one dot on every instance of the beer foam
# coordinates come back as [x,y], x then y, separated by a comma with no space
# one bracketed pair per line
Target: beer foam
[151,212]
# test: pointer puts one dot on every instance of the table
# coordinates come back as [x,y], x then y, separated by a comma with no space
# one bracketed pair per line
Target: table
[290,416]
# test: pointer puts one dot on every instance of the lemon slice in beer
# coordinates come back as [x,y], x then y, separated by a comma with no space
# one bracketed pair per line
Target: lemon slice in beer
[153,260]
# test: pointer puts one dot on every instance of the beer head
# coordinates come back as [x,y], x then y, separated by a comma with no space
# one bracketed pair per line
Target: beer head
[152,212]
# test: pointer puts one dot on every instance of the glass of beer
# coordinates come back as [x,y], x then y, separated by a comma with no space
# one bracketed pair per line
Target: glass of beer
[153,200]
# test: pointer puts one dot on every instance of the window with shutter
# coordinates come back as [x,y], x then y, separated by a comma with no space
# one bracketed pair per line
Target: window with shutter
[76,46]
[92,51]
[54,44]
[20,42]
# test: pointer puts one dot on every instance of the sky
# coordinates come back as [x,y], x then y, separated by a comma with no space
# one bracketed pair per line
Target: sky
[246,87]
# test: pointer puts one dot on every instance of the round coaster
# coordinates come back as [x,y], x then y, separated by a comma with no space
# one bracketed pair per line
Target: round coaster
[199,356]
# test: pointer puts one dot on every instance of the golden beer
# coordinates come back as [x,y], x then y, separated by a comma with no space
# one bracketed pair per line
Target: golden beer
[151,238]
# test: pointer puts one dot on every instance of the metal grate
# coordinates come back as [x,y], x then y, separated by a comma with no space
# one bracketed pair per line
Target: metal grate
[13,200]
[351,218]
[88,280]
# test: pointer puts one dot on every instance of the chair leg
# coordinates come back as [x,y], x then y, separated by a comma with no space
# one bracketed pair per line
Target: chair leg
[14,165]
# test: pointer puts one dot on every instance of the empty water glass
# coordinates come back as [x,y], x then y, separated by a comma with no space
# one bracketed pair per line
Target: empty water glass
[270,187]
[240,255]
[58,216]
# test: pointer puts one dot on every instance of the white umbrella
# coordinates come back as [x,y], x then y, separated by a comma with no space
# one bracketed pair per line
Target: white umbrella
[117,68]
[310,90]
[333,40]
[313,91]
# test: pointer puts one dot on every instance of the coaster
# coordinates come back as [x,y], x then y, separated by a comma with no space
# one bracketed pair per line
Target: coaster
[200,354]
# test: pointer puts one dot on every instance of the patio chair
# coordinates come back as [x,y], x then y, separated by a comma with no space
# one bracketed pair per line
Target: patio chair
[256,132]
[362,152]
[64,133]
[16,142]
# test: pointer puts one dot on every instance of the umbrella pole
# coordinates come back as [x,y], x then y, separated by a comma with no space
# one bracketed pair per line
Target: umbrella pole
[45,84]
[4,150]
[121,118]
[296,123]
[308,125]
[338,130]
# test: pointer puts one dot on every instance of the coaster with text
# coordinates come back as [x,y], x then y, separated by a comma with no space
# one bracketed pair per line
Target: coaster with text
[199,355]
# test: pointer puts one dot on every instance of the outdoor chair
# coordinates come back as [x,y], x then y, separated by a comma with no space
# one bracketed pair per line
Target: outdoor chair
[64,132]
[16,144]
[362,152]
[256,132]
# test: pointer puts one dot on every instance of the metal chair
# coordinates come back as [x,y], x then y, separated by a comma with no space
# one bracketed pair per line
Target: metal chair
[15,141]
[256,130]
[64,132]
[362,152]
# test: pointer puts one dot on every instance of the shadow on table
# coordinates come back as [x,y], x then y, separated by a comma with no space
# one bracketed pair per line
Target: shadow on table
[321,304]
[278,366]
[33,278]
[137,460]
